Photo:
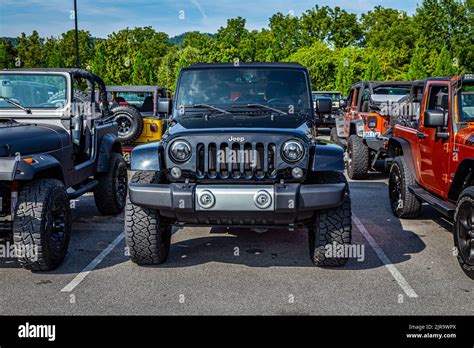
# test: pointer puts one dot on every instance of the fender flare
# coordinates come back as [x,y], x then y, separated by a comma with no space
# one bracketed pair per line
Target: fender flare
[464,172]
[109,143]
[404,146]
[327,157]
[44,162]
[147,157]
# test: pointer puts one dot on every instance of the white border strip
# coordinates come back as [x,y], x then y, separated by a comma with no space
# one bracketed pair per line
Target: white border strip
[384,258]
[91,266]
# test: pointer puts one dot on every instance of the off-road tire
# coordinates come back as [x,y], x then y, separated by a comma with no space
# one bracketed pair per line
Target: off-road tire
[147,235]
[33,224]
[130,123]
[335,138]
[331,227]
[111,193]
[404,204]
[465,203]
[358,158]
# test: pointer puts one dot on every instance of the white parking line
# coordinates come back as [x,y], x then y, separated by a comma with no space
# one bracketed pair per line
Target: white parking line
[384,258]
[91,266]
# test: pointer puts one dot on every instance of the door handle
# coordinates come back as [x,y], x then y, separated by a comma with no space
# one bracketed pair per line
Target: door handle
[421,135]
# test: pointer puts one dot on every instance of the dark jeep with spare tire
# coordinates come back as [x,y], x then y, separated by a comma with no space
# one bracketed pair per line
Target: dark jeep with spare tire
[56,144]
[240,150]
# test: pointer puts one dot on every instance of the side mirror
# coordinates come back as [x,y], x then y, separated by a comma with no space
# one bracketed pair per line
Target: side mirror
[435,119]
[343,103]
[164,106]
[323,106]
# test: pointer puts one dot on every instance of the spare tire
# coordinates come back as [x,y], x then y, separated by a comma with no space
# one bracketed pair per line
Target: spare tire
[130,123]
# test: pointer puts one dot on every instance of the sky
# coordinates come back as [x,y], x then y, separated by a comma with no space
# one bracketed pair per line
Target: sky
[174,17]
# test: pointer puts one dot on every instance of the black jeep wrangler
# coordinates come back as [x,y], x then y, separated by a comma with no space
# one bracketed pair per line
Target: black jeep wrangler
[240,151]
[56,144]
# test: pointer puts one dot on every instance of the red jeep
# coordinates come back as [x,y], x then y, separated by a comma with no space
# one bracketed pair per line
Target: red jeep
[363,128]
[433,160]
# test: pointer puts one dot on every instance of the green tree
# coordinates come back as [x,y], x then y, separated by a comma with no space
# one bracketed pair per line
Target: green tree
[121,48]
[373,72]
[141,70]
[67,49]
[316,25]
[7,54]
[447,23]
[319,59]
[52,53]
[286,35]
[388,28]
[345,28]
[30,50]
[232,42]
[444,64]
[167,69]
[98,64]
[417,70]
[345,72]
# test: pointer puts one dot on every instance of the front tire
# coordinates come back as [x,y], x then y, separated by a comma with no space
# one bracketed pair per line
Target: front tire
[358,158]
[331,229]
[404,204]
[111,193]
[463,231]
[148,236]
[42,225]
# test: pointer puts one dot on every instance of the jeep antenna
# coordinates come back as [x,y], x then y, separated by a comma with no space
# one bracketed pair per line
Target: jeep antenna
[77,34]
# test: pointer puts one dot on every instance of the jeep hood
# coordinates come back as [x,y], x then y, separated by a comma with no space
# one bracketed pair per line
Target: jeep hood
[28,139]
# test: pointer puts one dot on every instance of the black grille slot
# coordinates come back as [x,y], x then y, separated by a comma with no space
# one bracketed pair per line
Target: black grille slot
[236,160]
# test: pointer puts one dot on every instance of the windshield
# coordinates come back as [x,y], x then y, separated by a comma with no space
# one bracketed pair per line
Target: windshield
[466,101]
[232,89]
[33,91]
[335,97]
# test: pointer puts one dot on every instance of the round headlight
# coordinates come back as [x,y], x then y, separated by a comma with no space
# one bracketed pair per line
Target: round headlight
[180,151]
[292,151]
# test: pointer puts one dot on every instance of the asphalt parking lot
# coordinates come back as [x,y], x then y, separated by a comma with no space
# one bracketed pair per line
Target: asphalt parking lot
[404,267]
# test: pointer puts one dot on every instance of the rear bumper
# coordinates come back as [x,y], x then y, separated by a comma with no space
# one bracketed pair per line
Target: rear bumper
[238,204]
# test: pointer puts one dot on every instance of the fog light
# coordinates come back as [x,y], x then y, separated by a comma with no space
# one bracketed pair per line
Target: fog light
[176,173]
[206,199]
[262,199]
[297,173]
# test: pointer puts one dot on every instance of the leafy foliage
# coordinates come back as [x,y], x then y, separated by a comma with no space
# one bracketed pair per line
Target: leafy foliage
[337,47]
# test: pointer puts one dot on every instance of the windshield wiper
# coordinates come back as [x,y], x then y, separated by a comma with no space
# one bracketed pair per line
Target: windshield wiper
[209,107]
[14,103]
[261,106]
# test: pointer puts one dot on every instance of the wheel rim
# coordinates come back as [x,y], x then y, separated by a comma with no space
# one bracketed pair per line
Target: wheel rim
[125,125]
[465,232]
[395,185]
[121,185]
[56,226]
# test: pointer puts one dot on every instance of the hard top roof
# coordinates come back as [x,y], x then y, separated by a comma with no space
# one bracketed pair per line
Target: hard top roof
[245,65]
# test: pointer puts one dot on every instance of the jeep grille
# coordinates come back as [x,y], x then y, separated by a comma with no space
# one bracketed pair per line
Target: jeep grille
[236,160]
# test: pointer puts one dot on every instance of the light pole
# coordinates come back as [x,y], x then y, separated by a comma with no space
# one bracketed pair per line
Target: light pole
[77,35]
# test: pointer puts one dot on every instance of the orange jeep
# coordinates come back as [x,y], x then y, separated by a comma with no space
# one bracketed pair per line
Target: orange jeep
[363,127]
[433,161]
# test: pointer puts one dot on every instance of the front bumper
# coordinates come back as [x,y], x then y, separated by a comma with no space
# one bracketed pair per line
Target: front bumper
[238,204]
[8,167]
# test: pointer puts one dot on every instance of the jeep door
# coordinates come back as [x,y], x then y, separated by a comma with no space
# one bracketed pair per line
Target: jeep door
[435,153]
